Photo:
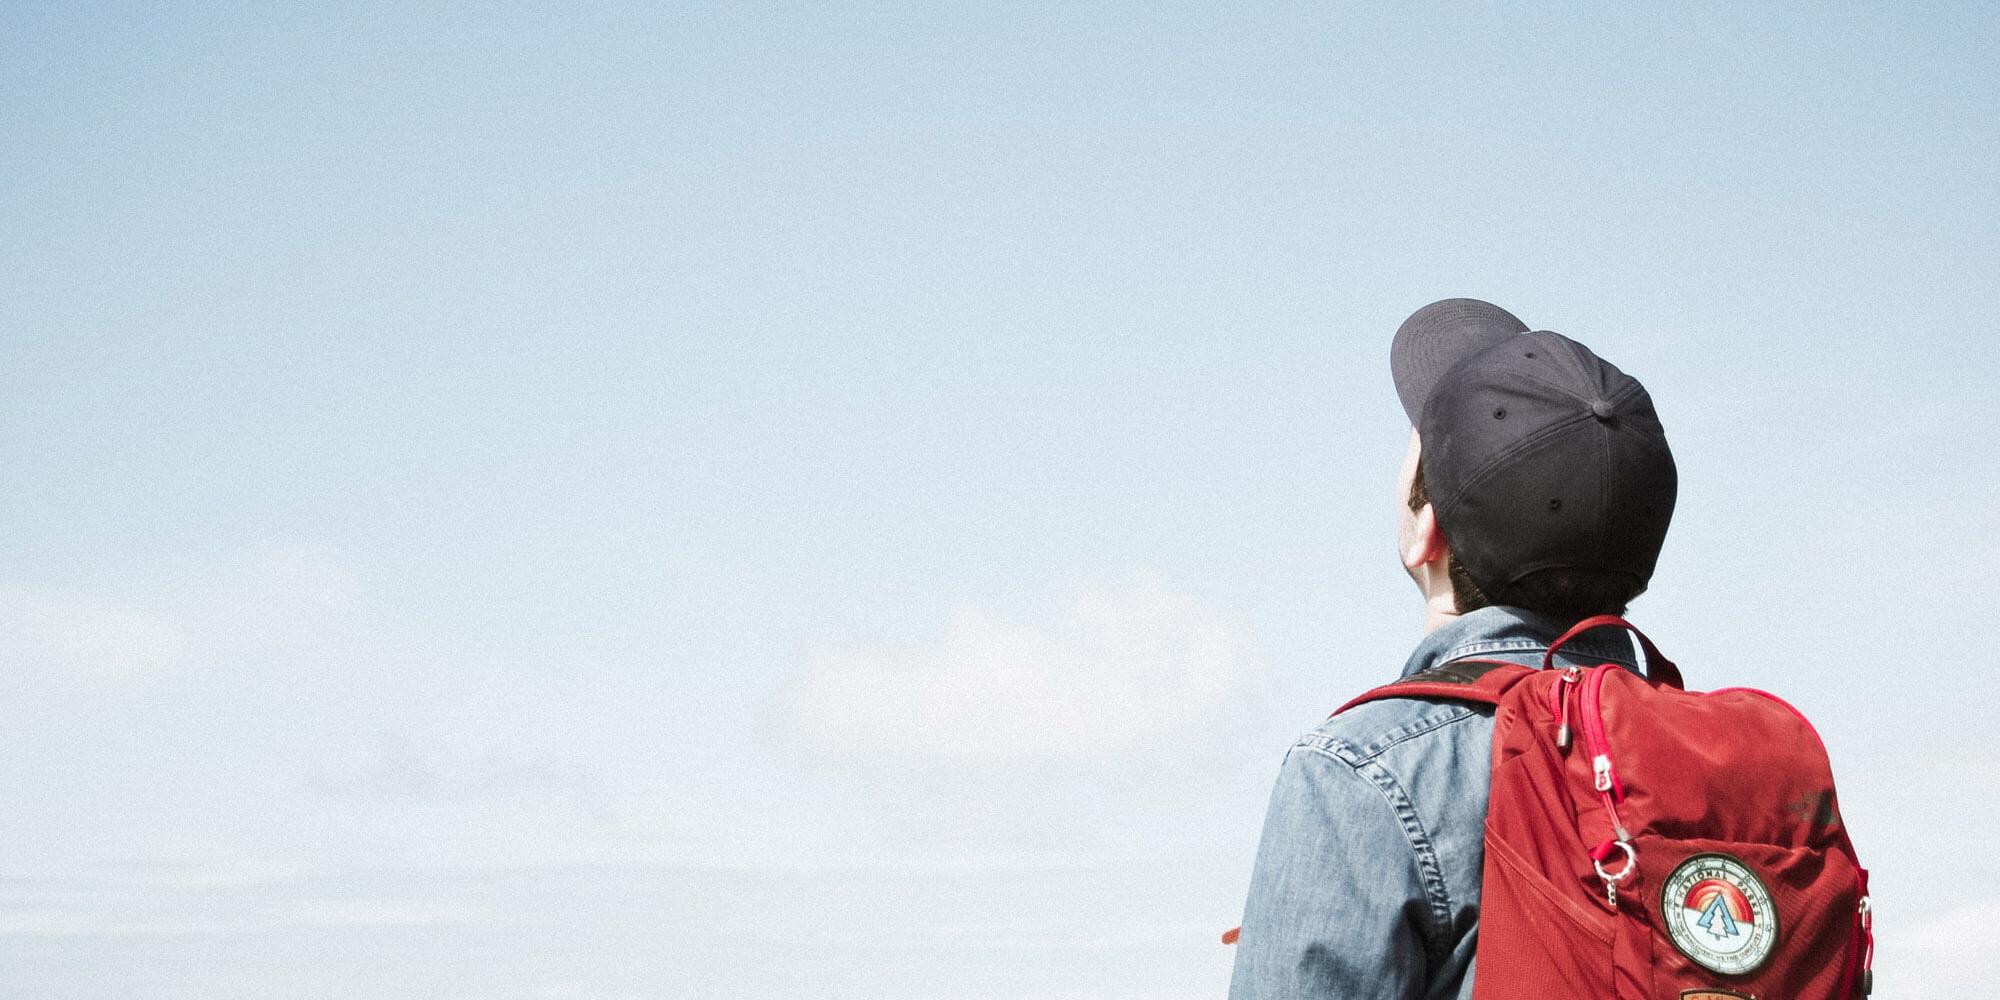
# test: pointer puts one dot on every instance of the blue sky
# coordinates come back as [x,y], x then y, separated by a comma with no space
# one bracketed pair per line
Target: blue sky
[852,500]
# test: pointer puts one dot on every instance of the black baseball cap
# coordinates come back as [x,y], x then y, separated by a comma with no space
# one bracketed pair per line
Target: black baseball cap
[1438,336]
[1538,454]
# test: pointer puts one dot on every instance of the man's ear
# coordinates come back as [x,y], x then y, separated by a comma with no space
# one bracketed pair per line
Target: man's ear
[1427,544]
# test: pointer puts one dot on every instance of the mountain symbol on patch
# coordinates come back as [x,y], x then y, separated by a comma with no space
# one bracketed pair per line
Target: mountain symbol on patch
[1723,911]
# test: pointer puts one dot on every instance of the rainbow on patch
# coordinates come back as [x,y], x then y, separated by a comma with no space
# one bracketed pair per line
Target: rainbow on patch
[1702,896]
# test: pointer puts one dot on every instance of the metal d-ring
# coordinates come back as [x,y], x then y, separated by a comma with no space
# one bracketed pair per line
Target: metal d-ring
[1631,858]
[1612,879]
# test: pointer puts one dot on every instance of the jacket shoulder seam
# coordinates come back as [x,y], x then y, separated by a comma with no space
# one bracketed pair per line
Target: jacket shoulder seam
[1429,869]
[1357,754]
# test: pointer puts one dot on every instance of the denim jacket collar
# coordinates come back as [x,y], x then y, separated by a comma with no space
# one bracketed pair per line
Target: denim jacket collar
[1516,635]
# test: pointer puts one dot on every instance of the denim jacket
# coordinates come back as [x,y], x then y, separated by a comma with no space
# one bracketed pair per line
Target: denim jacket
[1367,876]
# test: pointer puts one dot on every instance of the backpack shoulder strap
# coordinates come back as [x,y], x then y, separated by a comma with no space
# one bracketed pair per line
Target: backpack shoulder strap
[1481,681]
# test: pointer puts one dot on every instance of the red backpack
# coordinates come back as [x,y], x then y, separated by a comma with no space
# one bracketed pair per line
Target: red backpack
[1644,842]
[1649,843]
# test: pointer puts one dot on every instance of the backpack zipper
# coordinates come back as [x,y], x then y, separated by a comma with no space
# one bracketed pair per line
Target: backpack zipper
[1604,774]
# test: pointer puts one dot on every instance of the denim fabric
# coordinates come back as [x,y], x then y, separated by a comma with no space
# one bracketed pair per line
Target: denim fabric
[1367,876]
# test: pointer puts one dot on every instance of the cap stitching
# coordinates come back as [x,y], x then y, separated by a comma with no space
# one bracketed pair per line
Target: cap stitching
[1617,396]
[1596,528]
[1456,375]
[1534,440]
[1573,349]
[1527,444]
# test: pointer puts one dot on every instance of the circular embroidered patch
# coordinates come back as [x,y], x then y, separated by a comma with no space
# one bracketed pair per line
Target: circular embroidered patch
[1719,914]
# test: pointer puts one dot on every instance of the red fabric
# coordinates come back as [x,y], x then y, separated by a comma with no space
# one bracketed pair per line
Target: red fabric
[1658,667]
[1488,689]
[1734,772]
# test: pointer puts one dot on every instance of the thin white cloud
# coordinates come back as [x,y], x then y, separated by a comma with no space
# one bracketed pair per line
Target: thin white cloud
[86,635]
[1061,733]
[272,598]
[124,916]
[1111,670]
[283,596]
[398,768]
[384,912]
[47,923]
[582,989]
[83,923]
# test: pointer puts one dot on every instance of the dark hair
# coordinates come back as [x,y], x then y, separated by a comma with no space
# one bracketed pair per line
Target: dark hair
[1567,594]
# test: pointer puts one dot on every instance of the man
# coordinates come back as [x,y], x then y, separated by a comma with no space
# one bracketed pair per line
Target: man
[1536,492]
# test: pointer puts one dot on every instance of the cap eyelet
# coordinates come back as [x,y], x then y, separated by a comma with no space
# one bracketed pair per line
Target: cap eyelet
[1500,414]
[1555,504]
[1530,354]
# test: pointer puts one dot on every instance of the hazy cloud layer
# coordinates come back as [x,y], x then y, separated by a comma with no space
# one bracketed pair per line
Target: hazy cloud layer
[1071,728]
[1112,670]
[262,600]
[652,931]
[398,768]
[86,635]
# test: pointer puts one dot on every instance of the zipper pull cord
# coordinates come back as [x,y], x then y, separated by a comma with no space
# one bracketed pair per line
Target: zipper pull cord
[1564,683]
[1604,778]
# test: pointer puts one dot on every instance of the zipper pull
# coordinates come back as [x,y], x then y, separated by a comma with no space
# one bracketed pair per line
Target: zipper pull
[1600,766]
[1570,675]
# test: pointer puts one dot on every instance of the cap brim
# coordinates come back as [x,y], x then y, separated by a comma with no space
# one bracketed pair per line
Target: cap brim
[1438,336]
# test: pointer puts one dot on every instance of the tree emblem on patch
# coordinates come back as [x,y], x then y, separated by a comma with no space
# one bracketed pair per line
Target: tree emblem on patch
[1718,913]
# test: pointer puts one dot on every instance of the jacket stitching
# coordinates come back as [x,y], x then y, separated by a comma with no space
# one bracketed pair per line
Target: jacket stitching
[1428,867]
[1592,653]
[1355,757]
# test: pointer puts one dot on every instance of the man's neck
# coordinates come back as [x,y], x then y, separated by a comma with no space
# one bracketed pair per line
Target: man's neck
[1439,610]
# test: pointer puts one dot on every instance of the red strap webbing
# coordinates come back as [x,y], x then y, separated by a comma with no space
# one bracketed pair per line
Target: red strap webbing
[1481,681]
[1659,669]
